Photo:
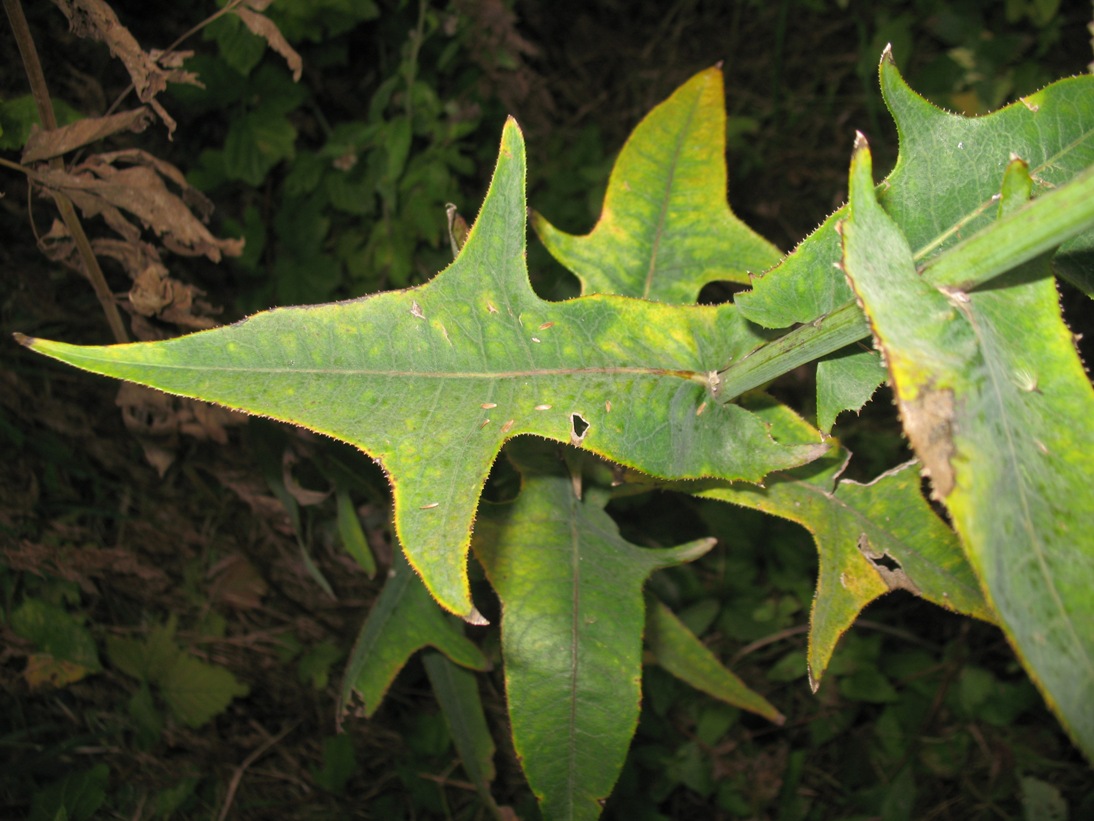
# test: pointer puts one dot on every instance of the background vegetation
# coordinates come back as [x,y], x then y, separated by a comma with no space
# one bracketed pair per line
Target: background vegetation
[174,628]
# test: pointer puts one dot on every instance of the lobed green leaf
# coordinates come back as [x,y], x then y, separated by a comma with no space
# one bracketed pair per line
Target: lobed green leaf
[403,620]
[871,539]
[431,381]
[572,621]
[666,229]
[996,403]
[943,188]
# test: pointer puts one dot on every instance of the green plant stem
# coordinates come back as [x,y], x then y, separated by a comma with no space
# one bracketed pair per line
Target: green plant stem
[1024,234]
[1032,230]
[44,104]
[799,347]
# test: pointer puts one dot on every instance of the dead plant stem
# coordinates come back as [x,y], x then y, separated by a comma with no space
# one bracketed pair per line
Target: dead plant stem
[37,78]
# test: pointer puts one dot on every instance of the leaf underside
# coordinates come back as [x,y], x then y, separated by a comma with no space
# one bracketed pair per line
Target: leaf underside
[572,621]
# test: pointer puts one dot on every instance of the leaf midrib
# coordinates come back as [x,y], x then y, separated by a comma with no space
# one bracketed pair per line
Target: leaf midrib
[996,375]
[659,232]
[373,372]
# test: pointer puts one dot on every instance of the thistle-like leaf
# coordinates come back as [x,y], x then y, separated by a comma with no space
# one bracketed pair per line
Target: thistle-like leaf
[999,409]
[572,620]
[666,229]
[431,381]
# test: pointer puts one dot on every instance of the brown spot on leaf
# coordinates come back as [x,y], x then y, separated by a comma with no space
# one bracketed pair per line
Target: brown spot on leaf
[42,145]
[929,423]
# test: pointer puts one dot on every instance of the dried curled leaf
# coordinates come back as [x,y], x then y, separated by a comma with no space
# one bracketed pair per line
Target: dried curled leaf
[149,71]
[265,28]
[99,187]
[42,145]
[157,420]
[154,294]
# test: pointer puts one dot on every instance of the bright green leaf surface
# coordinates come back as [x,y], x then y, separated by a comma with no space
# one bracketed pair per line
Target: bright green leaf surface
[679,651]
[846,382]
[871,539]
[403,620]
[997,405]
[942,188]
[572,620]
[666,229]
[431,381]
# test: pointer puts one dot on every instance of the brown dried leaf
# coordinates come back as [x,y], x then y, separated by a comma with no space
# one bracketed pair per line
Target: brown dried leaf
[41,145]
[237,583]
[58,246]
[82,562]
[255,493]
[265,28]
[154,292]
[96,20]
[304,496]
[99,188]
[156,420]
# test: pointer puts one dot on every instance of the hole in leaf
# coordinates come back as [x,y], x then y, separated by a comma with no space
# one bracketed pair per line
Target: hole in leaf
[886,561]
[578,428]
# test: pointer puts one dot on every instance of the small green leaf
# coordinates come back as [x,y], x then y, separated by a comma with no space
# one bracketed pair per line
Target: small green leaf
[353,535]
[457,692]
[998,407]
[339,764]
[666,229]
[846,382]
[679,651]
[572,619]
[1041,801]
[256,143]
[147,719]
[76,797]
[403,620]
[239,48]
[314,666]
[195,692]
[68,648]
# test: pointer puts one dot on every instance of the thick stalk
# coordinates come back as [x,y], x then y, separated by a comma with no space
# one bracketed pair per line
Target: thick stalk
[1024,234]
[799,347]
[1034,229]
[44,104]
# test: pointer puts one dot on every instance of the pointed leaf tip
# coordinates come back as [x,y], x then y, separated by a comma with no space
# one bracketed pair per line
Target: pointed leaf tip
[23,339]
[475,618]
[887,54]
